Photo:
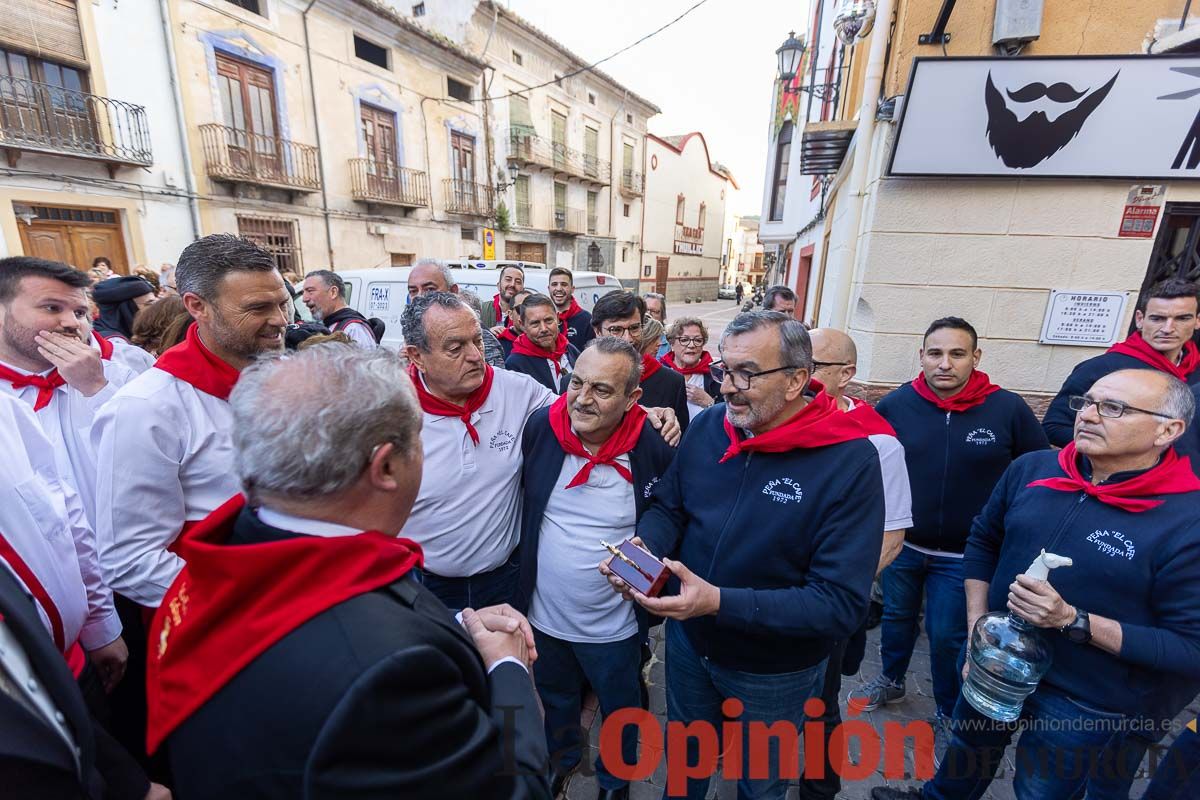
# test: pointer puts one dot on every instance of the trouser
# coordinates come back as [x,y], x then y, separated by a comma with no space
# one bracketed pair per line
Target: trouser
[1065,748]
[827,786]
[696,689]
[559,674]
[484,589]
[1178,774]
[941,580]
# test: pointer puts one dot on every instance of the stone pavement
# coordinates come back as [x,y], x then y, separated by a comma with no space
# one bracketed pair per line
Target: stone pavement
[917,705]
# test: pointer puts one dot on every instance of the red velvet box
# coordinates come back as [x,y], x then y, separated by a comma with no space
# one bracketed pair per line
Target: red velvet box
[646,574]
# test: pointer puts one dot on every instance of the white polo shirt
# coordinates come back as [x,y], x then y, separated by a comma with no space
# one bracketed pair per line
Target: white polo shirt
[897,493]
[571,599]
[360,333]
[467,517]
[42,519]
[164,457]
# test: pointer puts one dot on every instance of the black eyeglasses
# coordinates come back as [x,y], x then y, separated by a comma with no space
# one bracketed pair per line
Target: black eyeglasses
[823,364]
[1113,409]
[740,377]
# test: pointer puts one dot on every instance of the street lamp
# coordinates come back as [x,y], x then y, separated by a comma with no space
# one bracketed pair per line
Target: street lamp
[513,169]
[789,55]
[854,20]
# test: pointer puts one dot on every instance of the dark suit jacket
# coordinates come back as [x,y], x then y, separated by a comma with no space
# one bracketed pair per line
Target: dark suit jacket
[540,370]
[666,389]
[382,696]
[543,462]
[35,762]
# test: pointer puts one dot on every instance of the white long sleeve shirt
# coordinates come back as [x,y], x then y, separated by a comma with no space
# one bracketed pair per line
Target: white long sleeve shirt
[165,458]
[132,356]
[42,519]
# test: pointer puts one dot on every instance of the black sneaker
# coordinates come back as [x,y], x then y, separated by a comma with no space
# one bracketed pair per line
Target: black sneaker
[881,691]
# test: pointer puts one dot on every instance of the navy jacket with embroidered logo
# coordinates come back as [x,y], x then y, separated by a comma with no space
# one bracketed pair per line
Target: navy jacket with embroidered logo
[1059,422]
[666,389]
[1140,569]
[579,329]
[540,370]
[543,461]
[954,458]
[791,539]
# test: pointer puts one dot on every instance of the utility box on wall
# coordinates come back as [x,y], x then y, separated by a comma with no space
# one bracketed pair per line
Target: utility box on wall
[1017,21]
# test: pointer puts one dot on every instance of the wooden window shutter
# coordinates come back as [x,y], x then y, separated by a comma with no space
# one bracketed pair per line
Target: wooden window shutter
[47,29]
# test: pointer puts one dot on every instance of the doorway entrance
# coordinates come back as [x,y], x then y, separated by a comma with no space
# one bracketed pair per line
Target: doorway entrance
[75,236]
[525,251]
[662,270]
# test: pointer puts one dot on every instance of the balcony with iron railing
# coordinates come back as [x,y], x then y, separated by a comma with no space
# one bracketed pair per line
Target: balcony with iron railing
[39,118]
[569,220]
[472,199]
[529,149]
[633,184]
[387,184]
[235,155]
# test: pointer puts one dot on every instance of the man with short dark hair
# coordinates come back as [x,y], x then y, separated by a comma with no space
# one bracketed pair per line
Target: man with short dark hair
[511,328]
[621,314]
[324,293]
[1163,340]
[542,351]
[781,299]
[573,321]
[591,461]
[1121,619]
[509,283]
[960,432]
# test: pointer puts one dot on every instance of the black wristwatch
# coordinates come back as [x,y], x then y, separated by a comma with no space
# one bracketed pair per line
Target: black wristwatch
[1080,630]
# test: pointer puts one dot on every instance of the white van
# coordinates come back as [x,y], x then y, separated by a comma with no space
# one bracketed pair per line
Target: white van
[383,292]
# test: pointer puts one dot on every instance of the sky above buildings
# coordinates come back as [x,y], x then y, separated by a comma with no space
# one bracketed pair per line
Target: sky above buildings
[711,71]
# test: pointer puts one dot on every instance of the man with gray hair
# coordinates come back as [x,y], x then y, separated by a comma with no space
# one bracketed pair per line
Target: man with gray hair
[302,590]
[765,517]
[430,275]
[324,293]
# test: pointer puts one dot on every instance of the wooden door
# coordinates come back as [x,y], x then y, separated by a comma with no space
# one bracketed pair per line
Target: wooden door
[591,150]
[462,149]
[76,245]
[379,135]
[248,107]
[46,242]
[627,165]
[525,251]
[663,269]
[558,138]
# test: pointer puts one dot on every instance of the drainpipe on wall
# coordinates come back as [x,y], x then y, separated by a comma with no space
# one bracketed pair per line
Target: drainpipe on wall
[312,90]
[863,138]
[180,126]
[612,190]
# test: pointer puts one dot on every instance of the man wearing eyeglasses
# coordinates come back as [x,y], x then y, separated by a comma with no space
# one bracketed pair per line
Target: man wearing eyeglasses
[1164,340]
[1122,622]
[960,432]
[621,314]
[764,517]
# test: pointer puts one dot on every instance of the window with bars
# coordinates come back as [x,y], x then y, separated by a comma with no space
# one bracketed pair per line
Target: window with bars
[55,214]
[278,237]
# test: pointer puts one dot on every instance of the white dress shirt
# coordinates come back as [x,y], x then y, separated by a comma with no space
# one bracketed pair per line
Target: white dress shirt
[165,457]
[132,356]
[467,517]
[42,519]
[897,493]
[20,680]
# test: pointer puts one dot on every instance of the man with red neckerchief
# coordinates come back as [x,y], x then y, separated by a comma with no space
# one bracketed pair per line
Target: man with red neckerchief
[960,432]
[764,517]
[1164,340]
[687,338]
[573,321]
[1122,621]
[542,351]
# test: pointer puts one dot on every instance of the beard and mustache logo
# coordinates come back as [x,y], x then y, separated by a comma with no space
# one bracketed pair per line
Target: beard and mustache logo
[1022,144]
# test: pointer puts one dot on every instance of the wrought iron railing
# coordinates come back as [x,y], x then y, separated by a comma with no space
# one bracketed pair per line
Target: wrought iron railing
[529,148]
[464,197]
[633,183]
[237,155]
[569,220]
[49,119]
[381,182]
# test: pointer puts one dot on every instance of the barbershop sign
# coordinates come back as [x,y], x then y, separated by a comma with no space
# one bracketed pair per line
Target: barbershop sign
[1096,117]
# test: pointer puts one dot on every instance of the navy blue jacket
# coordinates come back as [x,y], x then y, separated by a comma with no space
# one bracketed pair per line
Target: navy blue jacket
[1059,421]
[792,540]
[1142,570]
[666,388]
[540,370]
[543,460]
[1189,443]
[955,458]
[578,328]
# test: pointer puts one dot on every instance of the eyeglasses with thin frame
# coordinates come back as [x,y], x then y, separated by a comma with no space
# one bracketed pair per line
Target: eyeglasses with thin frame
[823,364]
[690,341]
[1113,409]
[740,377]
[616,330]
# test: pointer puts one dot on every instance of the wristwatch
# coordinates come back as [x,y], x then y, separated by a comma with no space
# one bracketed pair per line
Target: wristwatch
[1079,631]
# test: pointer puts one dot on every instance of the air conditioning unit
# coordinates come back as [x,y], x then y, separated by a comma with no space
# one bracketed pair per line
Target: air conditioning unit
[379,229]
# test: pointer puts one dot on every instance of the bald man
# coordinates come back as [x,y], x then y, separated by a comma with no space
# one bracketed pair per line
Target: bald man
[835,362]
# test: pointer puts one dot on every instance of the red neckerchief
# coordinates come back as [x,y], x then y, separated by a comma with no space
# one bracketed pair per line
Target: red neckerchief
[623,439]
[524,346]
[191,362]
[442,408]
[871,420]
[46,384]
[571,311]
[1172,475]
[508,335]
[229,604]
[10,556]
[496,305]
[699,368]
[1137,347]
[818,424]
[650,365]
[106,347]
[978,387]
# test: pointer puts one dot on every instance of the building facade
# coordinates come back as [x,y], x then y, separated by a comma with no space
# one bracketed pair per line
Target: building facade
[982,229]
[684,228]
[94,161]
[745,264]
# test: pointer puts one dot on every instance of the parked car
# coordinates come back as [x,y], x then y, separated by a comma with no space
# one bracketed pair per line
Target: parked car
[727,293]
[383,292]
